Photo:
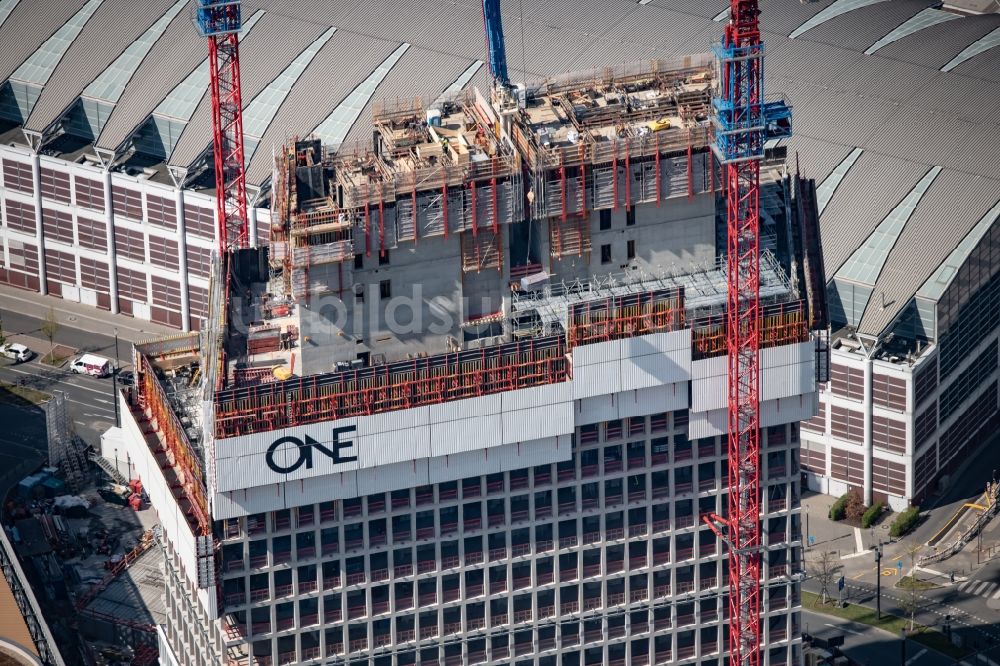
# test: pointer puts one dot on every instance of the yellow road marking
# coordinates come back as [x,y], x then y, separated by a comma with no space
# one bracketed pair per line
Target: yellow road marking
[858,576]
[888,572]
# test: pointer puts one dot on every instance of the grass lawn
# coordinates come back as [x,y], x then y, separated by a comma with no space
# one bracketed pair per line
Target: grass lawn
[18,395]
[910,583]
[864,615]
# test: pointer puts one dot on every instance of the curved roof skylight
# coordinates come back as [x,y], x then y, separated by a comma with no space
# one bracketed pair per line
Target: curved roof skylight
[987,42]
[865,265]
[334,129]
[829,185]
[924,19]
[833,11]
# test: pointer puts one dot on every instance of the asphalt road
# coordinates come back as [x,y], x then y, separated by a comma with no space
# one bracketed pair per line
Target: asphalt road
[977,629]
[90,402]
[867,645]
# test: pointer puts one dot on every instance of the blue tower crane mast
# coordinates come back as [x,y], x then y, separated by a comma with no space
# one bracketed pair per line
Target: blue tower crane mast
[504,94]
[494,42]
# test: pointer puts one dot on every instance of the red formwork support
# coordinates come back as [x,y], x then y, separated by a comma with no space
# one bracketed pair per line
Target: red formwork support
[401,385]
[413,201]
[444,199]
[227,140]
[381,223]
[562,189]
[475,213]
[659,195]
[690,168]
[614,173]
[628,180]
[168,442]
[625,316]
[368,226]
[493,187]
[583,182]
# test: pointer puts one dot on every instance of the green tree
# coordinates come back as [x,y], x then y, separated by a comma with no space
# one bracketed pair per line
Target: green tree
[823,568]
[49,328]
[910,601]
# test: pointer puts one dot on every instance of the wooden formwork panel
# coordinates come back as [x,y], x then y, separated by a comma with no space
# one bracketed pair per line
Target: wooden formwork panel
[482,250]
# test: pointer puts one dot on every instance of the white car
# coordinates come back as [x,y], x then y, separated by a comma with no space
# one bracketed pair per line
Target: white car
[18,352]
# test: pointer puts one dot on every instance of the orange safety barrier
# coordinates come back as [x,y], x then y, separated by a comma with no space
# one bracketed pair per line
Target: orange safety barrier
[171,440]
[400,385]
[626,316]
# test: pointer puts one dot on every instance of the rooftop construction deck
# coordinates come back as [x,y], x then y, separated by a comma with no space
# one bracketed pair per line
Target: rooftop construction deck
[306,330]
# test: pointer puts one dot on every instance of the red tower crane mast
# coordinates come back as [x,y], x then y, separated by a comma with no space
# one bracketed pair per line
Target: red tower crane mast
[742,122]
[220,22]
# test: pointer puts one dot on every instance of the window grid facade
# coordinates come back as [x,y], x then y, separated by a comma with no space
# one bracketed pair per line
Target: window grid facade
[575,558]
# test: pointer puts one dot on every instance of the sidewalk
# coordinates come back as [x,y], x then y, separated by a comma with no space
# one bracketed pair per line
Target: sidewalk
[78,316]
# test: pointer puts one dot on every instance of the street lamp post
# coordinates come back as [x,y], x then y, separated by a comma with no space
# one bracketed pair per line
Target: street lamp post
[114,382]
[878,582]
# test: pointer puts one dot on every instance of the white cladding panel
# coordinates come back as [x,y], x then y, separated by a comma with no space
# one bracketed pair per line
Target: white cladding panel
[787,370]
[632,403]
[394,446]
[549,394]
[598,352]
[369,442]
[631,363]
[772,412]
[707,424]
[460,409]
[708,384]
[653,400]
[534,423]
[258,443]
[391,477]
[174,524]
[596,409]
[450,437]
[788,410]
[597,379]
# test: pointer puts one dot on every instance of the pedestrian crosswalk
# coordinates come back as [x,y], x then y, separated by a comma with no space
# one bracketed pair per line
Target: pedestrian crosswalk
[981,588]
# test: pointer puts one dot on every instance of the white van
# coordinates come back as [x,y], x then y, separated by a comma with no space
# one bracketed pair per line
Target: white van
[18,352]
[91,364]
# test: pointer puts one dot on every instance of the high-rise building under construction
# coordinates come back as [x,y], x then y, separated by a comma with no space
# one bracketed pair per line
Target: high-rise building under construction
[469,406]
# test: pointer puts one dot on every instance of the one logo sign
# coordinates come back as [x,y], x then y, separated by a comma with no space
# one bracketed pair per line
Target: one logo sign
[840,583]
[287,454]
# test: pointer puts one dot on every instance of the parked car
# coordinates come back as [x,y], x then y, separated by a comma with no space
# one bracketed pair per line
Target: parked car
[126,377]
[91,364]
[18,352]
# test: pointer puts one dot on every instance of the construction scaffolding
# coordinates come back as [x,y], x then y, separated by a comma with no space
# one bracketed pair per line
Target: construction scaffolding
[616,137]
[782,323]
[168,441]
[400,385]
[625,316]
[65,448]
[427,174]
